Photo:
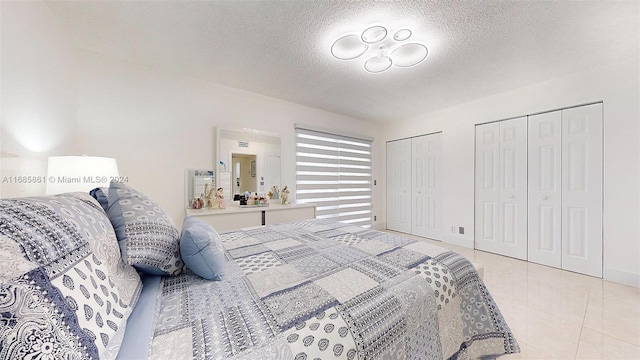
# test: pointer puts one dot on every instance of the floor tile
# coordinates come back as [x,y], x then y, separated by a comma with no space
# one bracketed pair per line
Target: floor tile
[557,314]
[594,345]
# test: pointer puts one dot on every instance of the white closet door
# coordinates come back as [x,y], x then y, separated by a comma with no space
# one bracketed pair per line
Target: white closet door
[399,185]
[433,187]
[392,184]
[582,189]
[419,178]
[501,187]
[513,187]
[487,173]
[426,204]
[545,220]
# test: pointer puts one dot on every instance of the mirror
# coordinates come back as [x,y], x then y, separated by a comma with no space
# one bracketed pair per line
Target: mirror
[249,161]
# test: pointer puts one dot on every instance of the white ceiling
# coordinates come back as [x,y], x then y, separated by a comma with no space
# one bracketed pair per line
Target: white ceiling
[281,48]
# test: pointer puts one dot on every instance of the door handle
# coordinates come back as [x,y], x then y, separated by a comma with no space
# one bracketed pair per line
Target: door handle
[545,198]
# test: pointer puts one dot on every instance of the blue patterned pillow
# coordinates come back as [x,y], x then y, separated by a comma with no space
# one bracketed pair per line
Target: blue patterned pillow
[64,290]
[202,249]
[147,236]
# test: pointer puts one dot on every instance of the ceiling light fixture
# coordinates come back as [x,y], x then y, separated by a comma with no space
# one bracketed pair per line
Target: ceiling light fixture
[379,50]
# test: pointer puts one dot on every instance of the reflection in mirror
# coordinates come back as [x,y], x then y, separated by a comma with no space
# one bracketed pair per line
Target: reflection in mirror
[249,159]
[197,183]
[244,173]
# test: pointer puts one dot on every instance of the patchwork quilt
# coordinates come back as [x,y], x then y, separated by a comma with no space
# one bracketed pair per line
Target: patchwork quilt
[321,289]
[64,291]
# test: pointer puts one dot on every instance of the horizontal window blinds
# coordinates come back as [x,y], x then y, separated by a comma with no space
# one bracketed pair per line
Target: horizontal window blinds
[334,173]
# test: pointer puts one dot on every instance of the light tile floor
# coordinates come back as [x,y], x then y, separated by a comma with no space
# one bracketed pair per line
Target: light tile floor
[557,314]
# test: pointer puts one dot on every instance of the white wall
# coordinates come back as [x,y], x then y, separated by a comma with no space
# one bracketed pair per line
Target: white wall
[60,101]
[157,124]
[39,95]
[618,87]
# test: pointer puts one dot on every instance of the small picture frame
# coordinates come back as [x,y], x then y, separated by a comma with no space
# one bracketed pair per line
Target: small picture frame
[253,168]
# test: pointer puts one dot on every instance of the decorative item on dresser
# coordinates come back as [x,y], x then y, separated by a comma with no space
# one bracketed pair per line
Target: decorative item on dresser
[210,200]
[222,204]
[200,185]
[274,193]
[285,195]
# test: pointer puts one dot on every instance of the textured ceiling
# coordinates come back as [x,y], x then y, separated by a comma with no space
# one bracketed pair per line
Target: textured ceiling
[281,48]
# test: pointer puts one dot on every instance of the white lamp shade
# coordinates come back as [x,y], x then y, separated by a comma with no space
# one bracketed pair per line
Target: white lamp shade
[79,173]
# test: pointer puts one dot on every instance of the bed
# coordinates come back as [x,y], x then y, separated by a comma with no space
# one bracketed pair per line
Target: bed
[304,290]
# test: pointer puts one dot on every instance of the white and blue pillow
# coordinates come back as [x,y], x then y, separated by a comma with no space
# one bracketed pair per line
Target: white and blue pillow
[147,236]
[201,249]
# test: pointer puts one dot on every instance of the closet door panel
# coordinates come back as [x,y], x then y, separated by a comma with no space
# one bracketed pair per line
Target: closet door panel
[544,181]
[420,178]
[433,188]
[487,194]
[392,185]
[399,185]
[512,221]
[405,186]
[582,132]
[426,193]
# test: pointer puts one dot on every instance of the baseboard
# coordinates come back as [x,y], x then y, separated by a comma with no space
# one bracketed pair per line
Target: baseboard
[458,241]
[379,225]
[622,277]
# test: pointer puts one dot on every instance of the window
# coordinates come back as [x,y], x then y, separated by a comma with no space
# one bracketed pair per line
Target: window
[334,173]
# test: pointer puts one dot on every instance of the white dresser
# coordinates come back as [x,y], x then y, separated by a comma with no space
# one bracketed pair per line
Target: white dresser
[235,217]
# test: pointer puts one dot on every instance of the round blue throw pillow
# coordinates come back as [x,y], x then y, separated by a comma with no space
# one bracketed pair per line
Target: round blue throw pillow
[201,248]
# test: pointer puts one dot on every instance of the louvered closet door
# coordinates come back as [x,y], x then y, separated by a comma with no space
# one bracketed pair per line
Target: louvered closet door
[399,185]
[425,196]
[582,131]
[501,187]
[545,212]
